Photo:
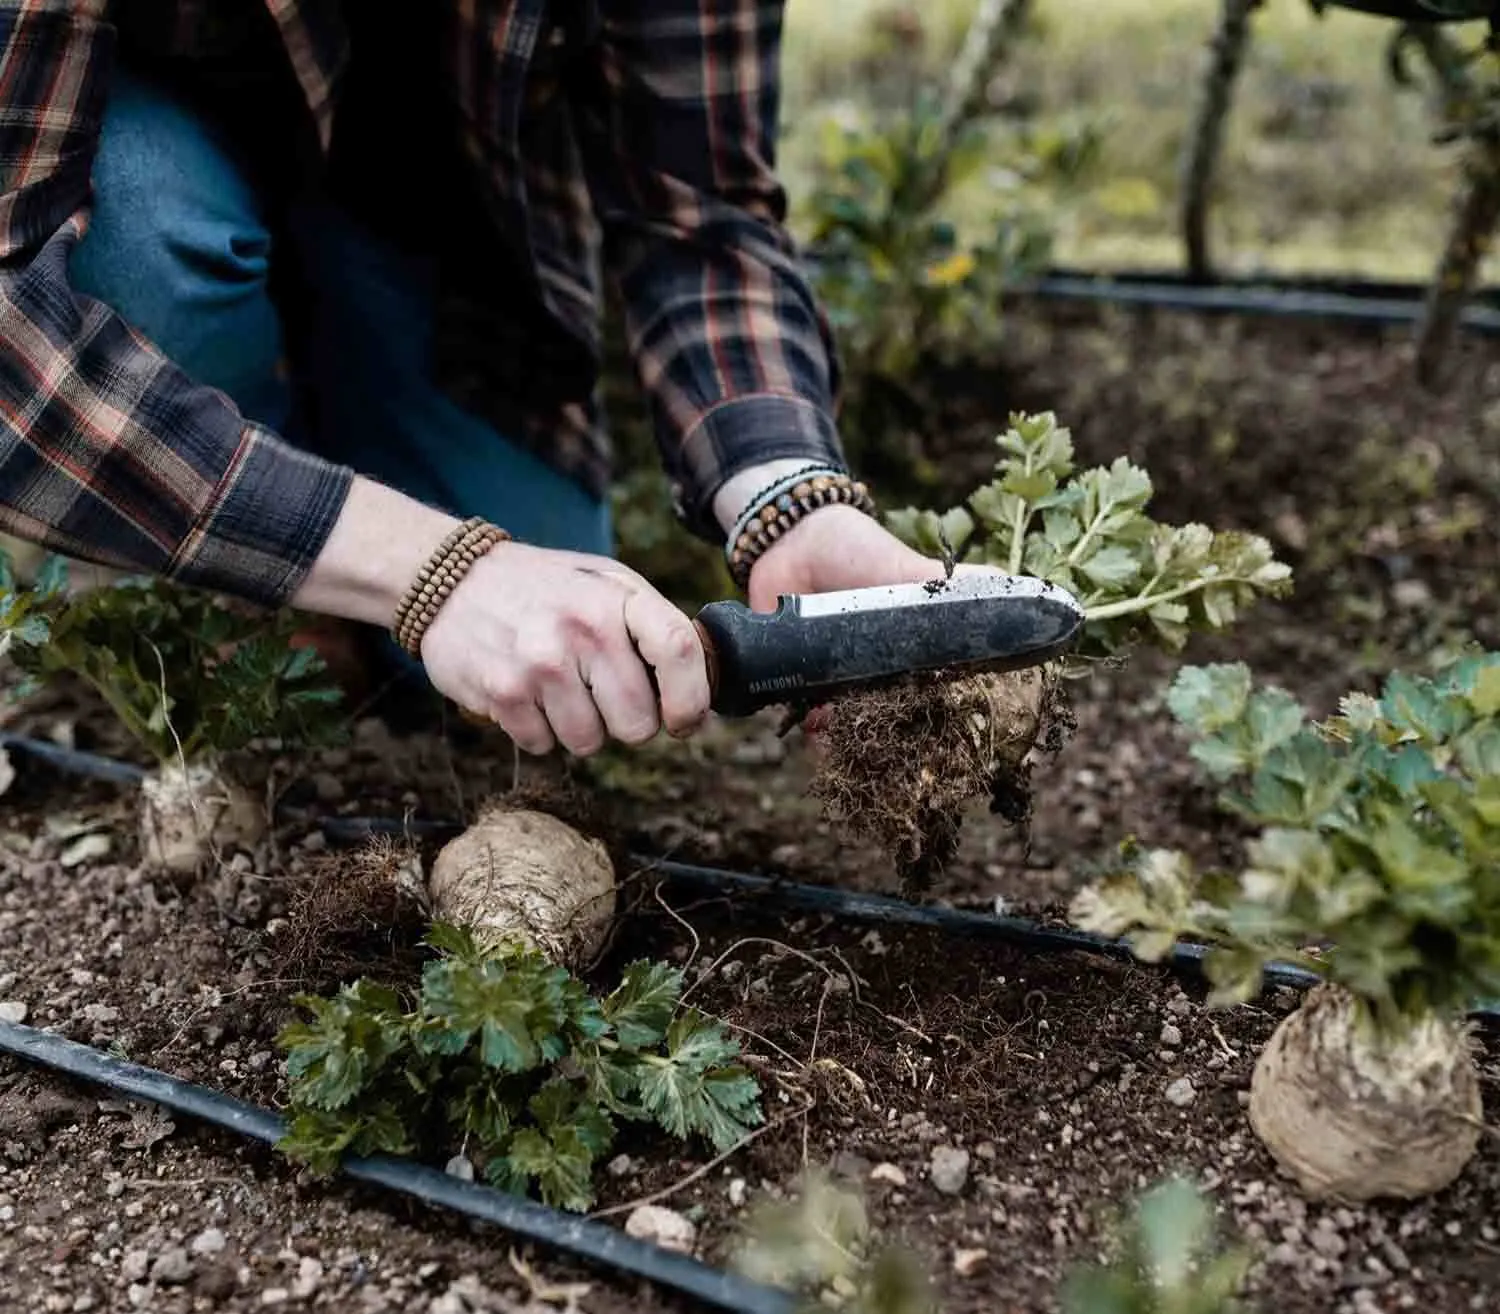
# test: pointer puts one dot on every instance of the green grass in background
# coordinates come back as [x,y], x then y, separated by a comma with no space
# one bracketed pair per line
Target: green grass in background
[1328,167]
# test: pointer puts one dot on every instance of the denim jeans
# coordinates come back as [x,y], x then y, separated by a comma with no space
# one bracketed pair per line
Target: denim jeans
[181,245]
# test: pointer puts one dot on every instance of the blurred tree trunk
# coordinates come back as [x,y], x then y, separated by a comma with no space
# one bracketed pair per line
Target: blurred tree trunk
[1205,140]
[986,45]
[1476,203]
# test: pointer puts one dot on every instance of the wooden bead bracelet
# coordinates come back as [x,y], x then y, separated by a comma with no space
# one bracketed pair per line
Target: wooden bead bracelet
[775,510]
[452,560]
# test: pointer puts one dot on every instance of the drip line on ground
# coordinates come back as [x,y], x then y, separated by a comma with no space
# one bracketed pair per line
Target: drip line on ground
[595,1242]
[1185,958]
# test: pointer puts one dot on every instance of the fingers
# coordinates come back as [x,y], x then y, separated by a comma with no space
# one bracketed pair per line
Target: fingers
[623,694]
[513,708]
[668,643]
[558,685]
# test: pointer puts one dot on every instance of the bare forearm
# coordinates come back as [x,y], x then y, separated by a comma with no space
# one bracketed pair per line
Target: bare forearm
[380,541]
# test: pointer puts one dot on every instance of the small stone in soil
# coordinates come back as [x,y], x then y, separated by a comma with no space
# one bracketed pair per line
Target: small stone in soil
[620,1166]
[737,1189]
[134,1265]
[1181,1093]
[172,1266]
[208,1242]
[966,1262]
[663,1227]
[1171,1036]
[1179,1005]
[460,1167]
[12,1010]
[888,1172]
[949,1169]
[309,1276]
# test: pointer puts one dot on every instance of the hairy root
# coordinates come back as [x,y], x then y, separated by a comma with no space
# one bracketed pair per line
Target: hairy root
[901,764]
[355,911]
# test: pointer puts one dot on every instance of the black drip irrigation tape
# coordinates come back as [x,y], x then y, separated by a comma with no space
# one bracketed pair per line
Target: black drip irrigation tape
[1185,959]
[1355,304]
[75,762]
[1022,932]
[597,1243]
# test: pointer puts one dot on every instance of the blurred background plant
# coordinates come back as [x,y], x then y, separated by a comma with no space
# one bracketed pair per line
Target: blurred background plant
[1169,1258]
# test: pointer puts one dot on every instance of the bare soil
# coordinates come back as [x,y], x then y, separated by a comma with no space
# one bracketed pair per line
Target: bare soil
[876,1045]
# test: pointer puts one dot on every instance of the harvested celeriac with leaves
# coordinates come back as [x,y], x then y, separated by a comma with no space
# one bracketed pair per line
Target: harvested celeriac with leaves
[1377,866]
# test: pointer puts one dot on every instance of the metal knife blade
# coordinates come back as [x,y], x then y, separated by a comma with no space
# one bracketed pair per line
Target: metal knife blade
[817,645]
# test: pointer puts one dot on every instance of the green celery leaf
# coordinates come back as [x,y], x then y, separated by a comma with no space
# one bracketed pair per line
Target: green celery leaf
[560,1164]
[1485,698]
[694,1089]
[483,1107]
[453,942]
[640,1009]
[321,1138]
[1206,699]
[514,1007]
[349,1038]
[1417,707]
[1110,567]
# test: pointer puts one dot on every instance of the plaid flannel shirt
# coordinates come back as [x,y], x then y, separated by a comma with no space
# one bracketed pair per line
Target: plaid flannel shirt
[633,142]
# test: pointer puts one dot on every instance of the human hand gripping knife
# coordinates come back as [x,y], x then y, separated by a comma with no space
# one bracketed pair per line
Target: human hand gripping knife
[816,646]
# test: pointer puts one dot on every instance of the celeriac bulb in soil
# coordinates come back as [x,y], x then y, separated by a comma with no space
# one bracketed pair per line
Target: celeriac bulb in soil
[189,816]
[1355,1119]
[520,875]
[901,764]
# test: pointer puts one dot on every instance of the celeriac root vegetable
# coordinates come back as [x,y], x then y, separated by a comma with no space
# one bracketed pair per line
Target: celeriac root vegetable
[522,875]
[190,815]
[900,764]
[1355,1118]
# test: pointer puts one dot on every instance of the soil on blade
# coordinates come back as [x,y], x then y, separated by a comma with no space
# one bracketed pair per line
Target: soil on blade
[1068,1082]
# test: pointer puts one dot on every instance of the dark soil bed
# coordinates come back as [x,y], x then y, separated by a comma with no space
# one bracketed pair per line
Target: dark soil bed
[876,1047]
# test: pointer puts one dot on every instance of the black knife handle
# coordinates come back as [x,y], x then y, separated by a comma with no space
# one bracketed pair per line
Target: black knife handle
[754,657]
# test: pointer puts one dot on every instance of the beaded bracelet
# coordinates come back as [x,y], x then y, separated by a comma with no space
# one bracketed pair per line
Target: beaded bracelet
[452,560]
[775,509]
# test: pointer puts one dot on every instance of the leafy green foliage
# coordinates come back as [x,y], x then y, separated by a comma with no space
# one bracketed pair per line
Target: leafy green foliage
[508,1056]
[176,666]
[1170,1261]
[819,1244]
[905,289]
[1377,830]
[1088,531]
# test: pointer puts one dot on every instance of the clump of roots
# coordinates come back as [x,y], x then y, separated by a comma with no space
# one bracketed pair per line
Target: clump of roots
[355,912]
[903,763]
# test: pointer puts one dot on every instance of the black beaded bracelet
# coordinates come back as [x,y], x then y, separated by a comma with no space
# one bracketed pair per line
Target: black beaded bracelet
[777,508]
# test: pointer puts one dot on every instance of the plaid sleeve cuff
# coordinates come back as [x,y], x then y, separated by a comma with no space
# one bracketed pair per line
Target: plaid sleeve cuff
[737,434]
[266,523]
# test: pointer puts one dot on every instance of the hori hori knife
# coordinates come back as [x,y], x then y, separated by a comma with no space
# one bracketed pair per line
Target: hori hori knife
[817,645]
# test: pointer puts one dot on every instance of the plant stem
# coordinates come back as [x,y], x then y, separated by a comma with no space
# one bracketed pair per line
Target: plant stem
[1087,535]
[1145,601]
[120,707]
[1018,535]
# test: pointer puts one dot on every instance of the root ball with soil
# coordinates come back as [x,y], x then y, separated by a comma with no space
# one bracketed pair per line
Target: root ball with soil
[521,875]
[1354,1116]
[902,763]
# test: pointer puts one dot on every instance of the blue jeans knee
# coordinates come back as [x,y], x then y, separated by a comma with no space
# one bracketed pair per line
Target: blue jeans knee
[179,246]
